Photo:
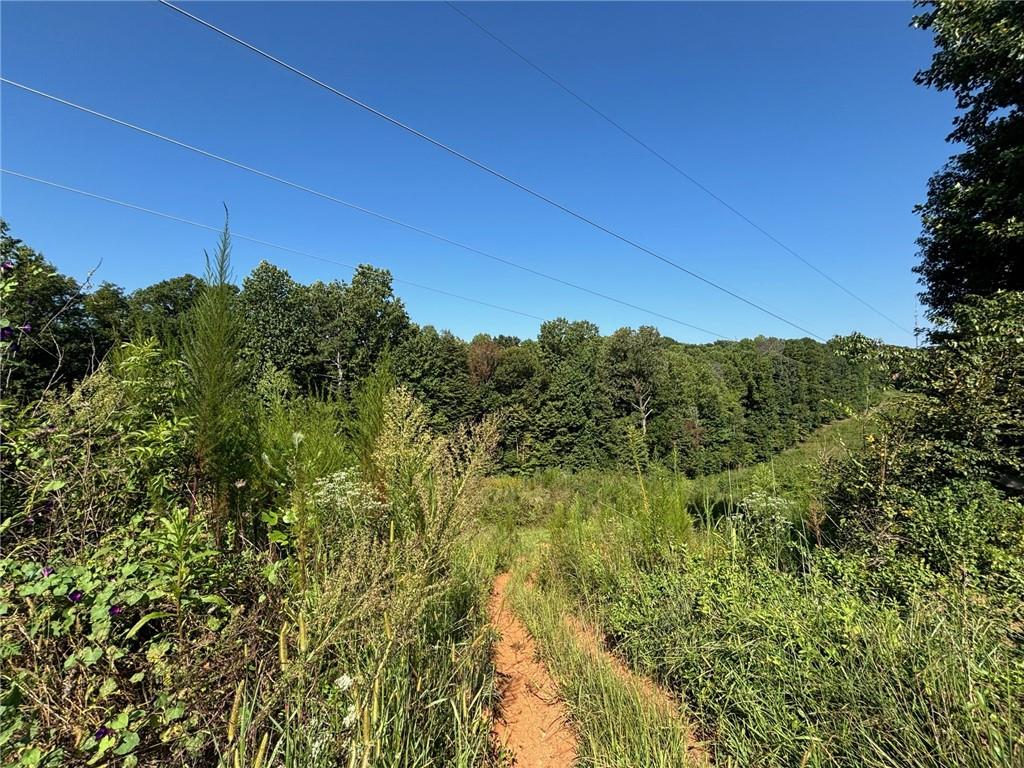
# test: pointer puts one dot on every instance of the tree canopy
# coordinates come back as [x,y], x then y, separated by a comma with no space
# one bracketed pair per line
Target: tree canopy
[973,218]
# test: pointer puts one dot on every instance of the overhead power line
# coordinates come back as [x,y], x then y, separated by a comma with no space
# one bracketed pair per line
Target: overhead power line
[710,193]
[359,208]
[258,241]
[487,169]
[289,249]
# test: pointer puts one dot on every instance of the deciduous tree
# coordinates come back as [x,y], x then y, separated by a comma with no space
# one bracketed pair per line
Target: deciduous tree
[973,220]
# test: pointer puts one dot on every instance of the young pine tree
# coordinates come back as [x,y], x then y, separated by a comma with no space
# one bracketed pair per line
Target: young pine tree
[216,392]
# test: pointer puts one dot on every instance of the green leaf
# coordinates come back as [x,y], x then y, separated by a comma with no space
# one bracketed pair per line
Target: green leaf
[276,537]
[128,743]
[105,744]
[90,655]
[144,621]
[172,714]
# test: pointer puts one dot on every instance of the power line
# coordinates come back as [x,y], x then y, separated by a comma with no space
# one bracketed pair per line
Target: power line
[486,168]
[289,249]
[258,241]
[622,129]
[355,207]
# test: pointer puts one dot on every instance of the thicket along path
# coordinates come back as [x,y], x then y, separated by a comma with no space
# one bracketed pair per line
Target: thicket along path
[532,720]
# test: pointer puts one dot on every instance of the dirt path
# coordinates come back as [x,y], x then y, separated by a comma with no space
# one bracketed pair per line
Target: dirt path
[531,721]
[591,640]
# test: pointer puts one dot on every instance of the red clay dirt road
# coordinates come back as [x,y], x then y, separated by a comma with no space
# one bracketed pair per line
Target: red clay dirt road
[532,721]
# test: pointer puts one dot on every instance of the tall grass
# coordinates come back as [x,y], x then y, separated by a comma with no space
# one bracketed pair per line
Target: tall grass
[785,670]
[384,650]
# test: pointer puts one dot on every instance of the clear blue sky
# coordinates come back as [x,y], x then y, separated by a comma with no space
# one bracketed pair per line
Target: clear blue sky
[803,116]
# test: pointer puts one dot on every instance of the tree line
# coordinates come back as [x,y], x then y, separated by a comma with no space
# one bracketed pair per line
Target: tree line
[566,398]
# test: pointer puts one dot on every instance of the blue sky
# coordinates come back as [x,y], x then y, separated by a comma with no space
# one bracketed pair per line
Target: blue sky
[803,116]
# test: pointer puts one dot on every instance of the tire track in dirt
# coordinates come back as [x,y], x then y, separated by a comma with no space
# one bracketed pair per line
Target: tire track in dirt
[591,640]
[531,720]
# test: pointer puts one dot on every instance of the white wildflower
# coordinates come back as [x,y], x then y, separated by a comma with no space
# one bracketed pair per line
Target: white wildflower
[343,682]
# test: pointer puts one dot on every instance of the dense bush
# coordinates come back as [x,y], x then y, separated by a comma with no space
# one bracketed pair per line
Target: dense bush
[935,492]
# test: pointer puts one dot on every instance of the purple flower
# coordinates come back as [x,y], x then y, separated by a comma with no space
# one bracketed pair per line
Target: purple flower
[76,595]
[6,333]
[27,327]
[7,266]
[116,610]
[47,571]
[101,732]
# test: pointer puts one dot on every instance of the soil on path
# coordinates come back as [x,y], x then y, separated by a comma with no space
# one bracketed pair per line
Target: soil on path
[531,720]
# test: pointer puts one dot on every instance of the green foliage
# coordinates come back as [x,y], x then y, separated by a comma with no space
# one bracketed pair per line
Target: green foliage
[215,394]
[46,337]
[935,492]
[364,323]
[564,399]
[387,624]
[973,230]
[278,324]
[782,670]
[346,622]
[109,315]
[93,645]
[790,661]
[575,407]
[864,615]
[364,428]
[123,425]
[160,309]
[435,367]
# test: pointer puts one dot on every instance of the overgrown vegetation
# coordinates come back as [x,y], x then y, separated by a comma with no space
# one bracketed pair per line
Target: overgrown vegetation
[864,613]
[258,527]
[200,569]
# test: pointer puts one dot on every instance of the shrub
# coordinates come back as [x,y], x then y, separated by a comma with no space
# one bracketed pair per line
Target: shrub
[933,492]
